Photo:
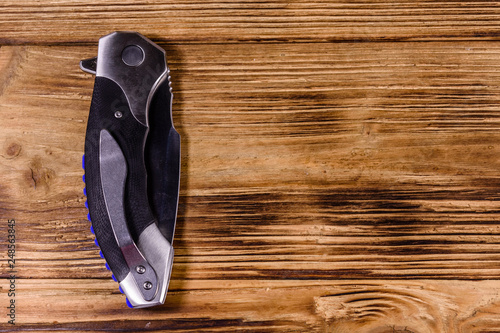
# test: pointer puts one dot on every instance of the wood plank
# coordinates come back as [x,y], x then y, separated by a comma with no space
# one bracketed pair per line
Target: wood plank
[77,21]
[423,306]
[358,182]
[399,154]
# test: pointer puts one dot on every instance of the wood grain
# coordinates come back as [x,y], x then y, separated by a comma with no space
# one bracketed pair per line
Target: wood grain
[325,187]
[95,305]
[76,21]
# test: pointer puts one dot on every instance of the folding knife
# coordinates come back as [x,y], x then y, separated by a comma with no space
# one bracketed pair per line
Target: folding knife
[132,165]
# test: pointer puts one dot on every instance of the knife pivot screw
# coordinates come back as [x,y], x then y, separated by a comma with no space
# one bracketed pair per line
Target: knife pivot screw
[118,114]
[132,55]
[148,285]
[140,269]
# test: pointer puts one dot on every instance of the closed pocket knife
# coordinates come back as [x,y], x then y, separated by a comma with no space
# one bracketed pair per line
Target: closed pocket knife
[132,165]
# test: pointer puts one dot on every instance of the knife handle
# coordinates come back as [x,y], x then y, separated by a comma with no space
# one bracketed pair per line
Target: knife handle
[132,164]
[110,111]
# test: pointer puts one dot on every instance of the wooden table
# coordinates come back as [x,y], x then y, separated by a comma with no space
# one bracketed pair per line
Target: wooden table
[340,166]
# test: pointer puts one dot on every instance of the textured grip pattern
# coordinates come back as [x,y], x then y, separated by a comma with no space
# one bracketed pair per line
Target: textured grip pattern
[108,98]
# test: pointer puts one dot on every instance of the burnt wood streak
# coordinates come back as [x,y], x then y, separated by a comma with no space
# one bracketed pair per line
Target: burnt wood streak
[340,166]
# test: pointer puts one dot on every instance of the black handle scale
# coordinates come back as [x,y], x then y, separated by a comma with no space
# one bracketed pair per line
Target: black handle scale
[107,99]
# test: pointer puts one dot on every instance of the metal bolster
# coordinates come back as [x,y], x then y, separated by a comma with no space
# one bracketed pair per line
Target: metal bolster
[113,169]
